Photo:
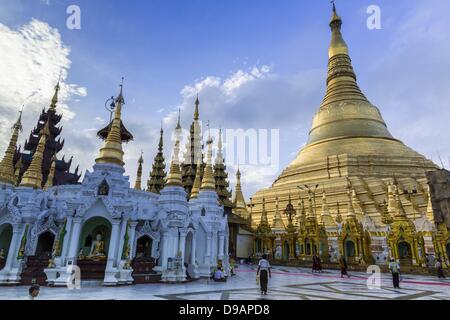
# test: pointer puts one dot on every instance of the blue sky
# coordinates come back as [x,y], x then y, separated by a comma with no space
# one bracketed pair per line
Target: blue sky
[256,64]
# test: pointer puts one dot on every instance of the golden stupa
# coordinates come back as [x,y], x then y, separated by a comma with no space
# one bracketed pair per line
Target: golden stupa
[349,146]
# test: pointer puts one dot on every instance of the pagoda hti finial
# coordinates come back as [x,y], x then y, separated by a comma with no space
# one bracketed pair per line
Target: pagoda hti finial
[7,164]
[51,176]
[55,96]
[111,151]
[196,112]
[138,183]
[33,176]
[157,176]
[178,127]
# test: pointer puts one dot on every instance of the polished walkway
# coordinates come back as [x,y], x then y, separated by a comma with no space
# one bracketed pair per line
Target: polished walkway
[286,284]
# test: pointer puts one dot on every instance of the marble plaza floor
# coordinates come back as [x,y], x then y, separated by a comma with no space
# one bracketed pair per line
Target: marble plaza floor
[287,283]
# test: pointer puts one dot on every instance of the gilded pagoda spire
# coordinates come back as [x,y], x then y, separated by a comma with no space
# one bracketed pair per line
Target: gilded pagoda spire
[55,97]
[138,183]
[7,164]
[174,177]
[346,122]
[221,177]
[208,182]
[350,209]
[112,151]
[158,175]
[239,204]
[197,182]
[51,176]
[33,176]
[278,223]
[264,220]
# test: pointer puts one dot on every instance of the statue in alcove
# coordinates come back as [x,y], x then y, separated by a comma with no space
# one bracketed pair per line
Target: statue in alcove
[103,188]
[98,248]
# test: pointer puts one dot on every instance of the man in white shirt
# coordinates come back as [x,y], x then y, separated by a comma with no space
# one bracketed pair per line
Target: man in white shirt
[264,273]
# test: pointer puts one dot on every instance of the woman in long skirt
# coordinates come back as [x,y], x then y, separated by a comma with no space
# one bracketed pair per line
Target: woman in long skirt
[343,266]
[264,273]
[440,269]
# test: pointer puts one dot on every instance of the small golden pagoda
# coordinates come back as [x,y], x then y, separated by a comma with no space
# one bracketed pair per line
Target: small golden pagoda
[264,238]
[290,237]
[7,169]
[403,240]
[354,241]
[33,176]
[312,236]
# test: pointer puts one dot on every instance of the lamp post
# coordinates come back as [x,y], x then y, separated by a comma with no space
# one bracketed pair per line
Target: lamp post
[110,106]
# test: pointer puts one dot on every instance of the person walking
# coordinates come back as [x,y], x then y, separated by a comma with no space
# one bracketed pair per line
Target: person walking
[343,266]
[395,270]
[314,262]
[264,273]
[440,269]
[319,265]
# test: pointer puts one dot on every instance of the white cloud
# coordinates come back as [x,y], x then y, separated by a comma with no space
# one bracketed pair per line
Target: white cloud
[33,57]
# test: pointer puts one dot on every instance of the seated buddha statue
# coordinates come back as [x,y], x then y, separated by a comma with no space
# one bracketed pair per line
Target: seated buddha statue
[97,249]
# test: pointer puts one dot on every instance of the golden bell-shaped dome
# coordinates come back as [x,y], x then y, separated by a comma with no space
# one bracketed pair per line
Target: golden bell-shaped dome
[346,122]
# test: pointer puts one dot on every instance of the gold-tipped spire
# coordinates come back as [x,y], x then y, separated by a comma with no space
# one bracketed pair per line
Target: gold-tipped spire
[55,97]
[208,181]
[197,182]
[338,45]
[51,175]
[350,210]
[33,176]
[112,151]
[7,163]
[196,112]
[178,127]
[174,176]
[138,183]
[278,223]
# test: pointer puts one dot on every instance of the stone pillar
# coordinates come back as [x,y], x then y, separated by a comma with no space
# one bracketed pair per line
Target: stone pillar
[220,254]
[66,243]
[121,240]
[164,249]
[113,244]
[74,239]
[133,225]
[193,247]
[182,245]
[14,247]
[208,248]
